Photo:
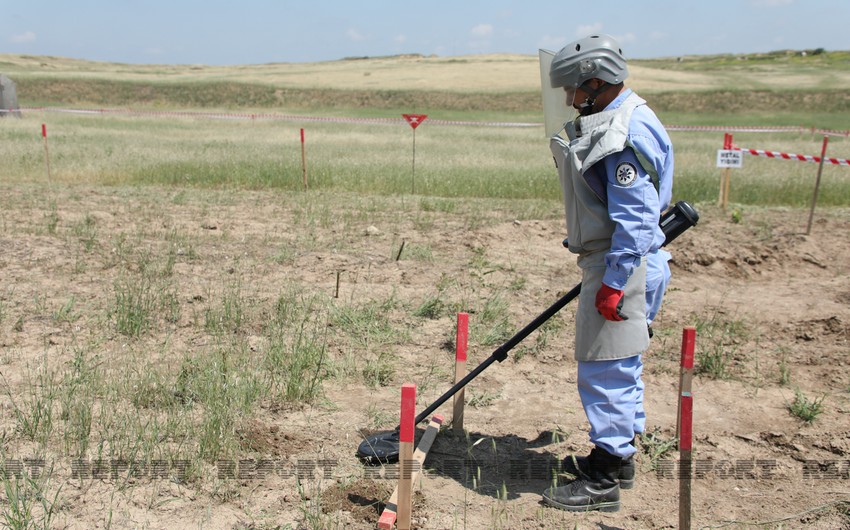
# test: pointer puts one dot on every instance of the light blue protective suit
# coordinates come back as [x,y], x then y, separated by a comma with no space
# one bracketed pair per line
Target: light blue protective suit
[617,178]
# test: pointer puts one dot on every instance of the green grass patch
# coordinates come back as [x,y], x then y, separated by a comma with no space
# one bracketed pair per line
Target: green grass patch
[452,162]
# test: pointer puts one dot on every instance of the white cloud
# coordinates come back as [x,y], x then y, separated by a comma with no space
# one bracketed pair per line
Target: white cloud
[22,38]
[354,35]
[482,30]
[400,39]
[585,30]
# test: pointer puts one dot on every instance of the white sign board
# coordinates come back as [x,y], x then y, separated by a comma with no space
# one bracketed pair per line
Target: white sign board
[730,158]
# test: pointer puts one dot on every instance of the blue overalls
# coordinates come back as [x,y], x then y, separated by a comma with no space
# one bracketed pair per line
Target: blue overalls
[617,180]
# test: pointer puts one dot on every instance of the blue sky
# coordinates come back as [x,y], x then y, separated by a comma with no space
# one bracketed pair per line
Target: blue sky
[218,32]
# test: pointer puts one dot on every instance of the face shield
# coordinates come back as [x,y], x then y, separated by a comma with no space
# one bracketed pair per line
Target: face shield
[557,111]
[570,97]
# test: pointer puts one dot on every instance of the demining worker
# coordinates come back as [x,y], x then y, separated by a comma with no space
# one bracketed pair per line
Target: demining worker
[616,171]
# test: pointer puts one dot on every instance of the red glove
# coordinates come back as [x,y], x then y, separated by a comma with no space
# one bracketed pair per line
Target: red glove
[608,303]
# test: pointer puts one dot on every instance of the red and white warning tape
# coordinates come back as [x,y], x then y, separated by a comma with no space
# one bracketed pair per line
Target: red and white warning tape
[757,129]
[329,119]
[270,116]
[792,156]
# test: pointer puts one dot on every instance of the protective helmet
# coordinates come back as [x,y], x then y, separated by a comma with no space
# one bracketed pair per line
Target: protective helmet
[596,56]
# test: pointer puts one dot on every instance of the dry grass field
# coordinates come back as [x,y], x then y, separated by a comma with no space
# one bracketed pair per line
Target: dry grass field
[471,74]
[182,353]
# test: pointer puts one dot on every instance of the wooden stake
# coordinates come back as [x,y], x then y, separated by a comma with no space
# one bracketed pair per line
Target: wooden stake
[684,429]
[817,185]
[461,343]
[336,291]
[46,154]
[388,516]
[725,175]
[303,162]
[413,171]
[727,183]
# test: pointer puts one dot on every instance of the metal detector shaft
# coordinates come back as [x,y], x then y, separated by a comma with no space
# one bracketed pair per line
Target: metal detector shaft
[501,353]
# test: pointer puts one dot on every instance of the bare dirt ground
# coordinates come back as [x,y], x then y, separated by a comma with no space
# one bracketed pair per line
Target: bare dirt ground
[770,305]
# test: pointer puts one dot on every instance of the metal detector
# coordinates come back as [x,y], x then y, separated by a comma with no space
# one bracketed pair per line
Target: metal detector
[383,447]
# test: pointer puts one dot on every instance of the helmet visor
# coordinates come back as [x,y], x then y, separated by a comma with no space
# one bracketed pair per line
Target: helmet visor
[570,96]
[556,112]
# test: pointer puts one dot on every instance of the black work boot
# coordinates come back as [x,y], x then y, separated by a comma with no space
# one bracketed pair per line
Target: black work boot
[580,465]
[598,489]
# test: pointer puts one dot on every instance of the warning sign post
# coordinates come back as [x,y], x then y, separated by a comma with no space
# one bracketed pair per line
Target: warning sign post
[415,120]
[727,158]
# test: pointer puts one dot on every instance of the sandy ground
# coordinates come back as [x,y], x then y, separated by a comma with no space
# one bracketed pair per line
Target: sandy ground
[770,300]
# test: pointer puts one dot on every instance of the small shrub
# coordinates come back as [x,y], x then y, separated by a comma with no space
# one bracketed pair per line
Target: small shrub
[380,371]
[433,307]
[482,399]
[737,216]
[229,316]
[718,338]
[86,232]
[33,406]
[805,408]
[133,306]
[493,325]
[656,446]
[784,372]
[52,219]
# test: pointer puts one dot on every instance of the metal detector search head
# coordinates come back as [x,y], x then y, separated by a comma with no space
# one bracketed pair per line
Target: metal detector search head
[380,448]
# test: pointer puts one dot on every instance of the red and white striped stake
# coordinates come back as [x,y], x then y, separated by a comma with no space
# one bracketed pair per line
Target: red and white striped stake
[684,428]
[461,342]
[405,456]
[303,161]
[46,153]
[817,184]
[388,516]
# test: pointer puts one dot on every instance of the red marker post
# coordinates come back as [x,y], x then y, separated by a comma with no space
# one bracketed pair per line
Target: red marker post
[46,153]
[725,174]
[415,120]
[461,342]
[684,429]
[405,457]
[303,161]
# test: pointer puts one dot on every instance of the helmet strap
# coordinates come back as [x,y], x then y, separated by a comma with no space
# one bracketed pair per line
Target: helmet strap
[586,108]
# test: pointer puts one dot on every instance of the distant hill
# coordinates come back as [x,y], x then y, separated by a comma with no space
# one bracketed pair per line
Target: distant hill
[780,80]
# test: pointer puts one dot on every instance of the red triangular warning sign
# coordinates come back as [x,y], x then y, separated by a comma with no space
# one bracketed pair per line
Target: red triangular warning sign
[414,119]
